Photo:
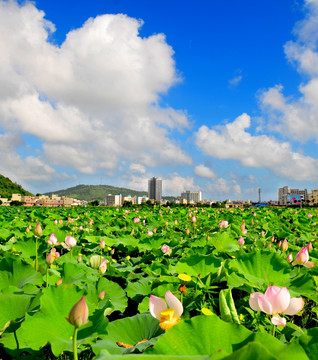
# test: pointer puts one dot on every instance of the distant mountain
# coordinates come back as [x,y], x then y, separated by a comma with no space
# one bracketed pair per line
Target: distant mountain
[7,188]
[95,192]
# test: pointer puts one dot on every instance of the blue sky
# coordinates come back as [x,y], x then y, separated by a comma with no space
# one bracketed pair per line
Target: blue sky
[217,96]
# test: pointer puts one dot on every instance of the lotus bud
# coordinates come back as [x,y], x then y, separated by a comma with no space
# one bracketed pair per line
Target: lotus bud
[80,258]
[55,222]
[38,229]
[78,315]
[188,231]
[112,251]
[309,246]
[101,295]
[103,267]
[59,282]
[290,258]
[193,219]
[175,222]
[241,241]
[102,244]
[284,245]
[27,229]
[280,244]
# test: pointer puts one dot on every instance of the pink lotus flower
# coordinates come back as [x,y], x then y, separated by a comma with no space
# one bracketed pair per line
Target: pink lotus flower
[70,241]
[241,241]
[55,222]
[149,233]
[193,219]
[166,249]
[136,220]
[310,215]
[103,267]
[302,258]
[53,254]
[52,240]
[244,231]
[78,315]
[223,224]
[276,301]
[168,317]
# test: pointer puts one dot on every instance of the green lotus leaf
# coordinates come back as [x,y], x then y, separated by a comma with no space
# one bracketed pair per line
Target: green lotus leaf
[14,272]
[195,265]
[130,330]
[262,268]
[209,335]
[49,324]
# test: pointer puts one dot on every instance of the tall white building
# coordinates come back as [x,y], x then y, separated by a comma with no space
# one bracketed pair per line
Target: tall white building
[155,189]
[195,196]
[114,200]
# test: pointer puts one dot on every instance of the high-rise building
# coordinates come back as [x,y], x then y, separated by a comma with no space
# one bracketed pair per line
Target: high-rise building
[287,196]
[155,189]
[194,196]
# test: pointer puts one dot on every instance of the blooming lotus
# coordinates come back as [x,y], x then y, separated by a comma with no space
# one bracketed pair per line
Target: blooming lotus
[223,224]
[166,249]
[276,301]
[78,315]
[52,240]
[53,254]
[302,258]
[168,317]
[69,242]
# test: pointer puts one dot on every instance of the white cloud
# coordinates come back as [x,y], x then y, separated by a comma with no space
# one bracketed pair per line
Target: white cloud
[176,184]
[203,171]
[137,168]
[232,141]
[298,117]
[235,80]
[92,101]
[222,188]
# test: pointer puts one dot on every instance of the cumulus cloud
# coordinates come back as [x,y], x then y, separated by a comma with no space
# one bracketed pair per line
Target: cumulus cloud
[232,141]
[203,171]
[93,100]
[137,168]
[176,184]
[223,188]
[291,116]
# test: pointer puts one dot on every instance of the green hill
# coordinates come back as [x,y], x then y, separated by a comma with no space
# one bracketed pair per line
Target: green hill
[95,192]
[7,188]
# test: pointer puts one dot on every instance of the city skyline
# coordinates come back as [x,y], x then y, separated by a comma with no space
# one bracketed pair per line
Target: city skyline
[217,97]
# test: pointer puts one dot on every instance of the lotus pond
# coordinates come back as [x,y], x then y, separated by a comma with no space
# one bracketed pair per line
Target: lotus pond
[158,283]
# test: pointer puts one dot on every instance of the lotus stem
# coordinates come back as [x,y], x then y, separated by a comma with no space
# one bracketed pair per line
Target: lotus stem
[75,343]
[17,342]
[36,254]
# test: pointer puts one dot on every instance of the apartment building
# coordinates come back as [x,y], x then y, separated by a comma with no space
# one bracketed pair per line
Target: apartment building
[287,196]
[192,196]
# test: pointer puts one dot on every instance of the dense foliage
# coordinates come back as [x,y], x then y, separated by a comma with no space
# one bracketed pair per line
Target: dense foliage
[7,188]
[227,254]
